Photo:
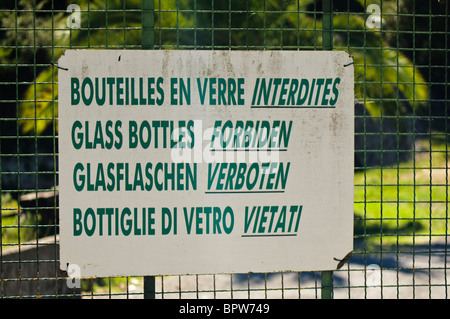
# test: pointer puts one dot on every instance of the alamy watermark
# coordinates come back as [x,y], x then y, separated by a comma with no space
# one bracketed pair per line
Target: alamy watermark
[74,275]
[374,19]
[74,20]
[229,144]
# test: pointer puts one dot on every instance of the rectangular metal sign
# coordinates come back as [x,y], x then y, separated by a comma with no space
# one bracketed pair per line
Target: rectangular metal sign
[182,162]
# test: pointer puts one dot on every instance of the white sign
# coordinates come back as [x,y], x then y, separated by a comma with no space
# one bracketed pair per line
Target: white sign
[182,162]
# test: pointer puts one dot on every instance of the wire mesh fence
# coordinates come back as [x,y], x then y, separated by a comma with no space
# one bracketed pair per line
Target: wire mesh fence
[400,49]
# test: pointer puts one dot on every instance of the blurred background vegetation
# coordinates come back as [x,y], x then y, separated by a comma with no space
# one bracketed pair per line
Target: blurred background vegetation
[401,91]
[386,62]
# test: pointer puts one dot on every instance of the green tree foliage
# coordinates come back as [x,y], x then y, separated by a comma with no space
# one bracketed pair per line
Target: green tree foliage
[384,76]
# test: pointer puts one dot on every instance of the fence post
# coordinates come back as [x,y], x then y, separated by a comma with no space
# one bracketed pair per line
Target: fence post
[149,287]
[327,44]
[148,24]
[327,285]
[327,24]
[148,41]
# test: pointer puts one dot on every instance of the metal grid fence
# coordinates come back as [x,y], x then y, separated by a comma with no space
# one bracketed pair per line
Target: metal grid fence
[400,49]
